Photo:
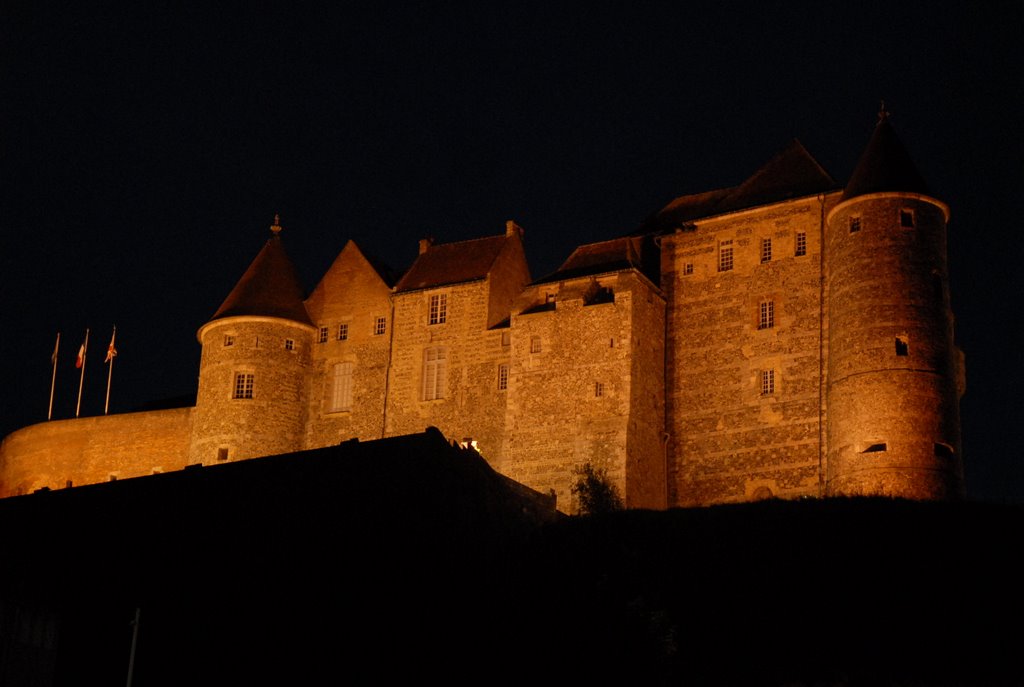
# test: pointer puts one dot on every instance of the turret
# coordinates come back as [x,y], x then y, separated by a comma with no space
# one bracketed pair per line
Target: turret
[894,374]
[253,379]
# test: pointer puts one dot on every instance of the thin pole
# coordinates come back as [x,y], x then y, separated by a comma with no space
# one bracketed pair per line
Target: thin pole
[111,354]
[135,638]
[81,379]
[53,378]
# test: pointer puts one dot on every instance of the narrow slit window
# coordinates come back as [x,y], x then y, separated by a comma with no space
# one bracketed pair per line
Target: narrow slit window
[598,389]
[854,225]
[902,346]
[907,218]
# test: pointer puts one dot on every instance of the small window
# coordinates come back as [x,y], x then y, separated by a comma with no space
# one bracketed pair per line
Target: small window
[611,343]
[687,268]
[907,218]
[343,331]
[289,344]
[222,454]
[902,346]
[229,340]
[801,243]
[766,250]
[767,382]
[69,484]
[502,377]
[506,338]
[854,224]
[380,325]
[243,385]
[321,335]
[766,315]
[438,309]
[535,344]
[549,298]
[876,448]
[113,477]
[598,389]
[725,256]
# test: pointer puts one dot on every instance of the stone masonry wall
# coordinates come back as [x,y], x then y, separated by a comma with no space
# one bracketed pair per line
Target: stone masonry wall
[94,449]
[733,439]
[354,295]
[468,403]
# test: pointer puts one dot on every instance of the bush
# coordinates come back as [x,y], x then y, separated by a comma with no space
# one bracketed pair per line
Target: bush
[595,491]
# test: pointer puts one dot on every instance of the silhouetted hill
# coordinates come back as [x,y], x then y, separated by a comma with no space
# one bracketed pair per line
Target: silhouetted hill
[409,560]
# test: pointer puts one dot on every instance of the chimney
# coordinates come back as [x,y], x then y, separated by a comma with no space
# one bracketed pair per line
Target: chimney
[513,229]
[425,244]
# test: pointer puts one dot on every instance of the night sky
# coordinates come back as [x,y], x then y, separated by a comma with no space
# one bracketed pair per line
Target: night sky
[146,148]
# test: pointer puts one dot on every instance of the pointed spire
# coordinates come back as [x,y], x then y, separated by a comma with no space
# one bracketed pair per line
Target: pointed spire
[885,164]
[270,287]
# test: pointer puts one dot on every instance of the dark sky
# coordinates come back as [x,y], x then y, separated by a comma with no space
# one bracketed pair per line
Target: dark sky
[146,148]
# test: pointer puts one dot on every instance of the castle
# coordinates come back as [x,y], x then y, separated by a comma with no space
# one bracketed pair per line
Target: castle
[787,337]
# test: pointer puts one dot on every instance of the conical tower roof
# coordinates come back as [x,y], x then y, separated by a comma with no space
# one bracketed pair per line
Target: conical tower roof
[885,165]
[269,288]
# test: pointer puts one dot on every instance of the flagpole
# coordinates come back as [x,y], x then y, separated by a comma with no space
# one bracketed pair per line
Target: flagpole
[111,354]
[53,378]
[81,378]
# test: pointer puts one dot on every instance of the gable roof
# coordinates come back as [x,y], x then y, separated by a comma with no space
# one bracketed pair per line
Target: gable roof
[885,165]
[792,173]
[270,287]
[628,252]
[452,263]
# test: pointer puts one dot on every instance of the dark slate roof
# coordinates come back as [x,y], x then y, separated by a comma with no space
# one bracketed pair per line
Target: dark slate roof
[885,165]
[629,252]
[452,263]
[792,173]
[270,288]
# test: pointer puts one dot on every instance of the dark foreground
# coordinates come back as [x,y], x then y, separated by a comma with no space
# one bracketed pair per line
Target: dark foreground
[346,567]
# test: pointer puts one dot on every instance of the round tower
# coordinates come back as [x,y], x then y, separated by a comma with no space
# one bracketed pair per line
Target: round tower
[253,375]
[894,373]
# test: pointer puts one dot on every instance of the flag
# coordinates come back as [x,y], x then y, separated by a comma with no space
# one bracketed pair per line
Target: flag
[80,360]
[111,351]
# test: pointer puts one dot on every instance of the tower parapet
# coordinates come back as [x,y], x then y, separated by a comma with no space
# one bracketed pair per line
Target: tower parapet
[892,390]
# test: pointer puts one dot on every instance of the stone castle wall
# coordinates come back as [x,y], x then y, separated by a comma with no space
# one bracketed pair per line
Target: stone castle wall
[94,449]
[745,354]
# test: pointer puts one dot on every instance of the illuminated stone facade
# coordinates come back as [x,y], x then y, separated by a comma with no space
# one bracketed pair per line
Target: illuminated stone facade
[787,337]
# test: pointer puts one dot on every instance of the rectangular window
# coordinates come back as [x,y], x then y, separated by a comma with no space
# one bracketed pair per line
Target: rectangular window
[438,309]
[598,389]
[801,243]
[222,454]
[907,218]
[854,224]
[766,250]
[687,268]
[766,315]
[229,340]
[535,344]
[289,344]
[725,256]
[502,377]
[902,345]
[434,373]
[506,338]
[243,385]
[321,335]
[341,388]
[343,331]
[380,325]
[767,382]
